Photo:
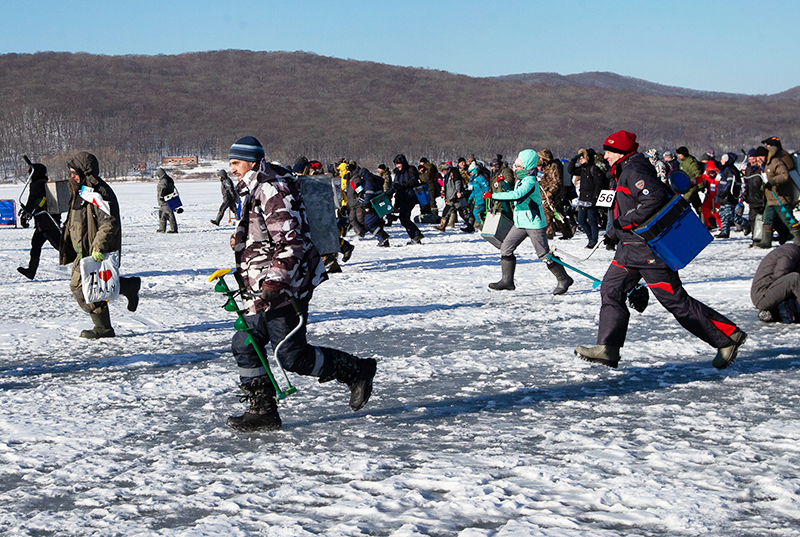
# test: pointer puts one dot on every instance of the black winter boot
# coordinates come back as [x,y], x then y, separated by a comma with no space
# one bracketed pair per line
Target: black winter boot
[129,288]
[383,238]
[218,219]
[29,272]
[726,355]
[333,267]
[564,281]
[508,264]
[263,412]
[346,249]
[357,373]
[102,326]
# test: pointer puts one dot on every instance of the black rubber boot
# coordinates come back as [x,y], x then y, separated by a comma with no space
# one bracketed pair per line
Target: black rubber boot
[766,237]
[29,272]
[357,373]
[726,355]
[218,219]
[102,326]
[508,264]
[263,412]
[129,288]
[796,236]
[564,281]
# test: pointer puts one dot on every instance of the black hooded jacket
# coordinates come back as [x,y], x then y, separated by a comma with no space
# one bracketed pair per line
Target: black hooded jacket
[592,179]
[405,178]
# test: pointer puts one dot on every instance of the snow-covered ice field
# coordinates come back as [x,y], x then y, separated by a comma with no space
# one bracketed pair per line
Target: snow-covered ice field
[482,422]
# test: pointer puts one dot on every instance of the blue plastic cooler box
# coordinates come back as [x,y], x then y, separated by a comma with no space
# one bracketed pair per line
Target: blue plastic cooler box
[423,194]
[173,201]
[675,233]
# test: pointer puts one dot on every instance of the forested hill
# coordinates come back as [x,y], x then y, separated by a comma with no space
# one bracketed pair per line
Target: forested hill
[137,108]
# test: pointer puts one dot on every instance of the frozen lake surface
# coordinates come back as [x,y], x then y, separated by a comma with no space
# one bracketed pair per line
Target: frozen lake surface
[482,422]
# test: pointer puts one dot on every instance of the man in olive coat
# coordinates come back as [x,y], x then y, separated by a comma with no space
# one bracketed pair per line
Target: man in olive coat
[93,229]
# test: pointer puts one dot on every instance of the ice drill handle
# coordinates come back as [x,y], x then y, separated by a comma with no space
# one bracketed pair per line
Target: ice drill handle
[296,306]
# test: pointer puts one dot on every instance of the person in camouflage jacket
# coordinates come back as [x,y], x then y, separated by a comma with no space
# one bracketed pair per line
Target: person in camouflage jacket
[277,268]
[552,185]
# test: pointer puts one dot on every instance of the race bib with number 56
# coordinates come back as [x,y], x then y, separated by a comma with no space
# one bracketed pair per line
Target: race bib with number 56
[606,198]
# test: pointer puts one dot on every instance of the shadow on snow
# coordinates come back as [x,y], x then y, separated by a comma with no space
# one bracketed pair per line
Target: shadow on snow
[632,380]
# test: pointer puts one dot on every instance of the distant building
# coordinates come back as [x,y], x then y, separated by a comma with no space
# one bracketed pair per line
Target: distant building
[171,161]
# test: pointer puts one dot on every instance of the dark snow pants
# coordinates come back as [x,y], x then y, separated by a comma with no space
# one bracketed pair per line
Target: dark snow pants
[46,230]
[228,205]
[635,261]
[456,207]
[405,200]
[271,327]
[164,216]
[782,289]
[355,216]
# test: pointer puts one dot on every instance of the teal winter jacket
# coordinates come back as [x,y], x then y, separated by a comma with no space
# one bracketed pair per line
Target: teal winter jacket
[526,196]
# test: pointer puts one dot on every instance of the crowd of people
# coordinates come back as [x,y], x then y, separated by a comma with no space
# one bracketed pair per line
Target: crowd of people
[752,195]
[278,265]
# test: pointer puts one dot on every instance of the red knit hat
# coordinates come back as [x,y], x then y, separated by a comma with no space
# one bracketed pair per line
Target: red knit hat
[623,142]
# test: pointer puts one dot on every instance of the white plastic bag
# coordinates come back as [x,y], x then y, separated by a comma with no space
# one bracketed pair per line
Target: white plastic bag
[100,279]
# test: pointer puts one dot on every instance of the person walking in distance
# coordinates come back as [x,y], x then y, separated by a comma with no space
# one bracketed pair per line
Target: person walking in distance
[46,226]
[230,200]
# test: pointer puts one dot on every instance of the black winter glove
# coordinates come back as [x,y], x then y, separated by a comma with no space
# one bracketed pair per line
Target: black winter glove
[639,297]
[609,241]
[617,225]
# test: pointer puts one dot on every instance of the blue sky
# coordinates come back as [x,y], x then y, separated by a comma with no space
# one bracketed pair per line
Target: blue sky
[734,46]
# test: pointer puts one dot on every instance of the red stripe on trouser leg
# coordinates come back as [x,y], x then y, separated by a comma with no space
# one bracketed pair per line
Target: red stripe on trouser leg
[617,264]
[661,285]
[725,328]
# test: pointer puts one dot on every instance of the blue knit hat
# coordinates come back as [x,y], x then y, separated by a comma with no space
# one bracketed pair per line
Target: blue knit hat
[247,149]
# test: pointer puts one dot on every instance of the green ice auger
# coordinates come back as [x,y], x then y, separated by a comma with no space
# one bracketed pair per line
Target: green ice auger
[241,324]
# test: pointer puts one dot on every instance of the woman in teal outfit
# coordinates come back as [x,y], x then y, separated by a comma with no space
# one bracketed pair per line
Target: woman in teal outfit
[529,221]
